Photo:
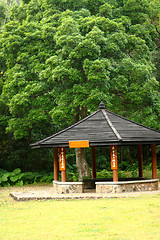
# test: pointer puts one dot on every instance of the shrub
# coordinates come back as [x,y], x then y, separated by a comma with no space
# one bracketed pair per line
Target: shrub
[104,174]
[18,178]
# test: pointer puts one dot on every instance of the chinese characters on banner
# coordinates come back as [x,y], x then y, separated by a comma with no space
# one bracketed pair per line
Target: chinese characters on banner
[62,159]
[114,164]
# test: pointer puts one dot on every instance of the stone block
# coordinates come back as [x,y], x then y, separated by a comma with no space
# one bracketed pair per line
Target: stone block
[68,187]
[126,186]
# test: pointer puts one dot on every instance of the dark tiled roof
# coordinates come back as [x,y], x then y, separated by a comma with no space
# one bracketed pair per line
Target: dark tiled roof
[102,128]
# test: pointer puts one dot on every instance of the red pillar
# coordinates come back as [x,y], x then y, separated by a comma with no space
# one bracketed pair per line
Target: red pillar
[154,161]
[62,163]
[55,153]
[115,175]
[63,176]
[114,162]
[140,160]
[93,153]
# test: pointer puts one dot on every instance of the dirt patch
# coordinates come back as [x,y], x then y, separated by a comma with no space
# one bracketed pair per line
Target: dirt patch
[45,191]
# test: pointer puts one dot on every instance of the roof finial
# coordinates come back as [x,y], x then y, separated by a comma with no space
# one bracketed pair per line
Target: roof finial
[101,105]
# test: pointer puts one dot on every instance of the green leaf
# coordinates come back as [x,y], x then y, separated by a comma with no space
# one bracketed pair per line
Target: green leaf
[5,177]
[20,175]
[17,171]
[14,178]
[6,184]
[19,183]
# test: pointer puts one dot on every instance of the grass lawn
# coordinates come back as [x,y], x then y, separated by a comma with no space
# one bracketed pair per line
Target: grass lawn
[124,219]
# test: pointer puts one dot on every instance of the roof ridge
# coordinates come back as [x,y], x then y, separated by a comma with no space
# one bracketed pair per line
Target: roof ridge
[111,125]
[133,121]
[73,125]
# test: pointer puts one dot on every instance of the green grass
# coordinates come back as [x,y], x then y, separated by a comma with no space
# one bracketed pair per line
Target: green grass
[118,219]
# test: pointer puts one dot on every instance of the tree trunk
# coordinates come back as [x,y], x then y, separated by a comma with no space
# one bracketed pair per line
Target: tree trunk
[83,112]
[82,165]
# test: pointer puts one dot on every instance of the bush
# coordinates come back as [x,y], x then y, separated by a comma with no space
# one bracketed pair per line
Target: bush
[123,166]
[104,174]
[72,172]
[19,179]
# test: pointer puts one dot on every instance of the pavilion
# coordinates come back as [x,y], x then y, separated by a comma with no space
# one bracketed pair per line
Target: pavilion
[103,128]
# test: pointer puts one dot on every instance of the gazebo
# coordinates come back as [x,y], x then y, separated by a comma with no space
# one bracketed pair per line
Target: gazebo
[103,128]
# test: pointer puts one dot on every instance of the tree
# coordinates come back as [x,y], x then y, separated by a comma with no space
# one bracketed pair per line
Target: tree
[2,13]
[62,58]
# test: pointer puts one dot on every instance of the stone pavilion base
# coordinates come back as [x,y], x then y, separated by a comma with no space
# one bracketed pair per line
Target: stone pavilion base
[136,185]
[127,186]
[68,187]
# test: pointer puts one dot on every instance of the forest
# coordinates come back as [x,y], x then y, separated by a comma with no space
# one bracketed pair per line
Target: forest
[60,58]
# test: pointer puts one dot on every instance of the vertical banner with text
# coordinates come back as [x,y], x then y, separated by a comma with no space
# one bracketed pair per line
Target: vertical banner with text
[114,164]
[62,159]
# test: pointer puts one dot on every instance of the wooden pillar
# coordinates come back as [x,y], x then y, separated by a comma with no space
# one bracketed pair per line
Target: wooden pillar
[115,175]
[114,162]
[140,160]
[55,164]
[93,154]
[62,163]
[63,176]
[154,161]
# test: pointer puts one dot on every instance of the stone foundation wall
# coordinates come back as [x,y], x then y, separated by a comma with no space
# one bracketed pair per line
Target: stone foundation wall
[68,187]
[119,187]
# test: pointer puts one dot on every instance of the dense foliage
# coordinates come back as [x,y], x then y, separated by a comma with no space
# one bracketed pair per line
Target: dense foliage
[59,59]
[19,179]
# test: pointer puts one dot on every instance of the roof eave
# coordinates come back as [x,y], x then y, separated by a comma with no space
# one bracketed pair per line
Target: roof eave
[96,144]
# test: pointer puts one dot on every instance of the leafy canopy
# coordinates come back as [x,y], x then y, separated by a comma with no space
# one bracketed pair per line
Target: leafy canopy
[59,59]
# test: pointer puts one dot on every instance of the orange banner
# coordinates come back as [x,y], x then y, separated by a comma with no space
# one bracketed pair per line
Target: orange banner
[62,159]
[114,163]
[79,144]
